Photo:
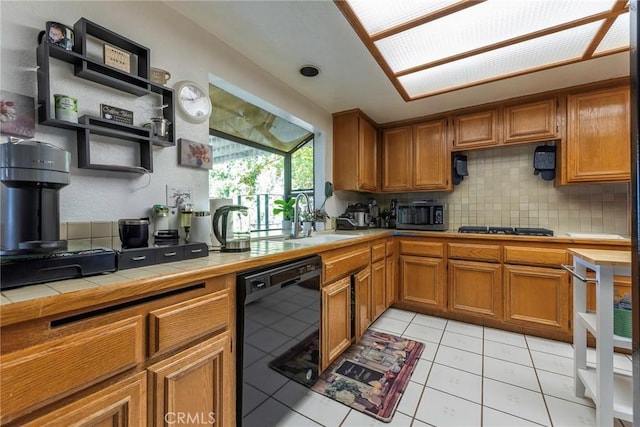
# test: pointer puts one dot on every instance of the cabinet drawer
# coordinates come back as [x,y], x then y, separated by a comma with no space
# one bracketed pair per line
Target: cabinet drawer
[343,263]
[535,256]
[389,247]
[169,254]
[377,252]
[180,323]
[421,248]
[489,253]
[37,375]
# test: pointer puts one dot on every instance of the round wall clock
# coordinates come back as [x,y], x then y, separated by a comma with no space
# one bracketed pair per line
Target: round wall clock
[194,104]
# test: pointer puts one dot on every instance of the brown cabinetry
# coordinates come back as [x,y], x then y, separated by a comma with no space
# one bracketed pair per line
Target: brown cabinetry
[390,293]
[378,280]
[416,158]
[335,330]
[537,298]
[354,144]
[422,281]
[362,306]
[475,288]
[598,132]
[475,130]
[534,121]
[196,382]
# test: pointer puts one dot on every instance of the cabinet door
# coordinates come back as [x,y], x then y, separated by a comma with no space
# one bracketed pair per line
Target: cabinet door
[431,162]
[537,297]
[378,286]
[476,130]
[475,288]
[367,156]
[198,382]
[396,159]
[598,132]
[362,285]
[422,281]
[390,283]
[335,328]
[530,122]
[121,404]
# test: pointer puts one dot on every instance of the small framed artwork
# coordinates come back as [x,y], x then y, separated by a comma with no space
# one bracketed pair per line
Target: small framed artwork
[117,58]
[195,154]
[116,114]
[17,115]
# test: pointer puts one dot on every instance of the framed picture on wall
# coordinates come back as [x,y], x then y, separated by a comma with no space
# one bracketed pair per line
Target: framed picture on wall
[195,154]
[17,115]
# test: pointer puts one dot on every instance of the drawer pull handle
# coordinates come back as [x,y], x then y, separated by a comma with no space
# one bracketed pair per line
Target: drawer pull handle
[139,258]
[571,270]
[196,251]
[170,254]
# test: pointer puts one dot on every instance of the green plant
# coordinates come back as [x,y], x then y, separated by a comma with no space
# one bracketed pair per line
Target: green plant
[285,208]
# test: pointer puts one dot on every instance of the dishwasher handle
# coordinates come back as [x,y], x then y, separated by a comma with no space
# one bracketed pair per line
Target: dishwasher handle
[571,269]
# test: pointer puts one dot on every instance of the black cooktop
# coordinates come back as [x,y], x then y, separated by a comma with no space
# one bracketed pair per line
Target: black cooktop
[518,231]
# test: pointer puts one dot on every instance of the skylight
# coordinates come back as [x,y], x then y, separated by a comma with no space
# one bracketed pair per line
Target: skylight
[428,47]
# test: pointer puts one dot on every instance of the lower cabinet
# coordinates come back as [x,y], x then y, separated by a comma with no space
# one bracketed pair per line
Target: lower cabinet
[121,404]
[335,330]
[194,386]
[390,283]
[422,280]
[362,290]
[378,288]
[537,297]
[475,288]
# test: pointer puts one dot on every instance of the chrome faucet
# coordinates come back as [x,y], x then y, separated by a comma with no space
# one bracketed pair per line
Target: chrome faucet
[297,228]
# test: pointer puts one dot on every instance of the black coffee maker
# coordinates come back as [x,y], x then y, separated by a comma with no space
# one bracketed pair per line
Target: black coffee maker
[32,174]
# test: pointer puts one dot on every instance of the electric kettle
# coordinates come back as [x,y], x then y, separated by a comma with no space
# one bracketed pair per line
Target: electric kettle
[232,229]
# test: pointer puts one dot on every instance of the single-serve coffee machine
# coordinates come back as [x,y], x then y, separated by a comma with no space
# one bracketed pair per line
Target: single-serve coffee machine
[32,174]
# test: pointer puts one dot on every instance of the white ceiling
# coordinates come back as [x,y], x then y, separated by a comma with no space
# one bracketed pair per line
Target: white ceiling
[281,36]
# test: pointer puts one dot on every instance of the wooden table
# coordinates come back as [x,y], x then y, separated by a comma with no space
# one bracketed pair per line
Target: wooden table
[612,393]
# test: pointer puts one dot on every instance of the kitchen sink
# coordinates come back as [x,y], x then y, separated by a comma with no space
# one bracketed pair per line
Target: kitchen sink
[595,236]
[319,239]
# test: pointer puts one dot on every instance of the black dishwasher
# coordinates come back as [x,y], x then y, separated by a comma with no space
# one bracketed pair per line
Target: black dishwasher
[278,320]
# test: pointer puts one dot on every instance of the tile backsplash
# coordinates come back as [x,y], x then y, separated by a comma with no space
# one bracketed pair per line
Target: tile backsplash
[501,190]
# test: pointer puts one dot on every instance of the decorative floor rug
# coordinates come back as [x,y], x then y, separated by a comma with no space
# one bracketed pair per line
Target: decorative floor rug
[369,376]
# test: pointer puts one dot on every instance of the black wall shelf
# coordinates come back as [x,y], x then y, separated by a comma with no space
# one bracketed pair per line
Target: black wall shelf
[136,83]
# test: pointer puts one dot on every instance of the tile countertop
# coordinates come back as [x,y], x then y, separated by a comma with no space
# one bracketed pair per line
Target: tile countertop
[51,298]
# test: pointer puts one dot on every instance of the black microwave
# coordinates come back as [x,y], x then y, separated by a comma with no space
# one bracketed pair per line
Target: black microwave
[428,215]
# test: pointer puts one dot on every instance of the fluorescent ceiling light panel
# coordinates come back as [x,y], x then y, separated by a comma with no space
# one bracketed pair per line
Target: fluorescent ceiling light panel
[429,47]
[534,53]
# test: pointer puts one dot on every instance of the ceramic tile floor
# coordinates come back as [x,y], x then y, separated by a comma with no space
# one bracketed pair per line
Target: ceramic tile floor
[468,375]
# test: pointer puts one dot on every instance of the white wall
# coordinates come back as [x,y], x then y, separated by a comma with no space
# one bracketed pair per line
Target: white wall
[177,45]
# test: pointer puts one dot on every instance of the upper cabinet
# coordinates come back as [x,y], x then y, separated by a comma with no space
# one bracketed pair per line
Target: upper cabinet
[416,158]
[474,130]
[535,121]
[598,135]
[354,140]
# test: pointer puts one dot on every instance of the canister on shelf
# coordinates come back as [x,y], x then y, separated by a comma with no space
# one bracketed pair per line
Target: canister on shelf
[66,108]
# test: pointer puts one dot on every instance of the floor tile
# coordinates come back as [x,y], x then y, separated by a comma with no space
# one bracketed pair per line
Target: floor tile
[395,313]
[549,346]
[565,413]
[410,398]
[516,401]
[264,378]
[552,363]
[464,329]
[560,386]
[462,342]
[431,321]
[388,324]
[273,413]
[456,382]
[358,419]
[313,405]
[511,373]
[423,333]
[505,337]
[429,351]
[621,363]
[507,352]
[493,418]
[421,371]
[441,409]
[459,359]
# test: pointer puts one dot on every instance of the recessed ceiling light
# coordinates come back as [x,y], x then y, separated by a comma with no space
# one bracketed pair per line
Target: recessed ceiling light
[309,70]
